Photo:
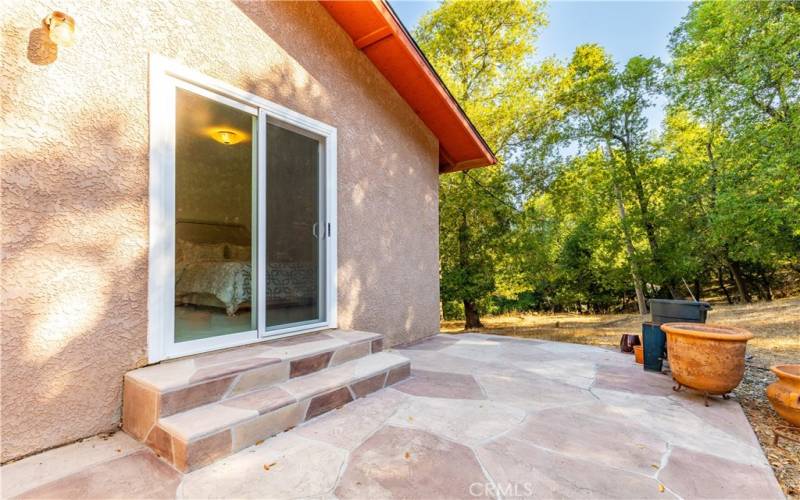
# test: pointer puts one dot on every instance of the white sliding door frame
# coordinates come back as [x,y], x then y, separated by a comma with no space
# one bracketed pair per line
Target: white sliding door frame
[165,76]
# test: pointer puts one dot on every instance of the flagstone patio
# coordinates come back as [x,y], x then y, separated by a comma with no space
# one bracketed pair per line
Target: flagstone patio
[481,416]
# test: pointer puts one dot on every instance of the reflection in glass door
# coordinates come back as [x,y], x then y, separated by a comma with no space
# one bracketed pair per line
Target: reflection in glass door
[296,231]
[215,228]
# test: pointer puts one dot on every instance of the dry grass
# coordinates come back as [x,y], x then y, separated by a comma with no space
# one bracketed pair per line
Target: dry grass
[776,326]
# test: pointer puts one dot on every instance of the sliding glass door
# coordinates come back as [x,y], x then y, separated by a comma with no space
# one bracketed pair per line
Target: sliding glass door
[215,228]
[296,228]
[242,217]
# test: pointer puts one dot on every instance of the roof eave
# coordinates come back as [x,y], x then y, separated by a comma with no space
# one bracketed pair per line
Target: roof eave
[378,33]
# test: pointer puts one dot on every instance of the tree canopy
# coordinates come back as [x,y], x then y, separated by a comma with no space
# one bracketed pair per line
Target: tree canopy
[593,208]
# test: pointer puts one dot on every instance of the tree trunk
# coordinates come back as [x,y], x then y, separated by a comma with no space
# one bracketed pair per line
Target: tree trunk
[472,316]
[722,287]
[736,272]
[698,289]
[767,286]
[629,248]
[631,251]
[644,208]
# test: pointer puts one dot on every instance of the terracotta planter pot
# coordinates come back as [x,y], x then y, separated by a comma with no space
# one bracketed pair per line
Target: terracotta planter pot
[707,358]
[784,395]
[638,353]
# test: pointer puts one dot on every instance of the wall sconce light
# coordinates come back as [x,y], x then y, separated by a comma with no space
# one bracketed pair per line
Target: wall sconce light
[61,28]
[226,137]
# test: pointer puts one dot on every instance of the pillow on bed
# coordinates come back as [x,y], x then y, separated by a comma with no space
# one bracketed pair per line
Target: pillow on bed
[239,252]
[187,251]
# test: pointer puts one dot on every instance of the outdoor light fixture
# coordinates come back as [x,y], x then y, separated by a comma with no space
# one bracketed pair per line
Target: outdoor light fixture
[227,137]
[61,28]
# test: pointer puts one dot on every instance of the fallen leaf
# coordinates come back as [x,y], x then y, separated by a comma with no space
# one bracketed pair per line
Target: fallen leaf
[119,450]
[655,466]
[407,456]
[661,488]
[268,467]
[259,442]
[410,419]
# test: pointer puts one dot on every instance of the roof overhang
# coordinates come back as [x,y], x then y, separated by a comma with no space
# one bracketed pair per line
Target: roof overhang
[379,34]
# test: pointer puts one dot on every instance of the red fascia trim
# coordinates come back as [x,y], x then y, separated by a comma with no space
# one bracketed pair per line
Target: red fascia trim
[376,31]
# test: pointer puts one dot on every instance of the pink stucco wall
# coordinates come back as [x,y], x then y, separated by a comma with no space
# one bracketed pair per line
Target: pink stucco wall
[75,189]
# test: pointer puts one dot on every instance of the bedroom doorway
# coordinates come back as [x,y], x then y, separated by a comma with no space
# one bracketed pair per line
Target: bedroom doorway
[242,217]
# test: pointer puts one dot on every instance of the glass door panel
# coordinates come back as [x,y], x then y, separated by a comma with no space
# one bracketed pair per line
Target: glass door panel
[215,223]
[296,230]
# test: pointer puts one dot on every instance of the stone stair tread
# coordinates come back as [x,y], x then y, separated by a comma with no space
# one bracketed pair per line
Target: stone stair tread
[332,378]
[195,423]
[175,374]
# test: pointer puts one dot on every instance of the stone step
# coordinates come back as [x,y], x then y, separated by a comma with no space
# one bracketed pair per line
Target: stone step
[176,386]
[197,437]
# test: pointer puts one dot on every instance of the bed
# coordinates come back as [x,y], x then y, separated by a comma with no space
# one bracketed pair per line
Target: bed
[213,269]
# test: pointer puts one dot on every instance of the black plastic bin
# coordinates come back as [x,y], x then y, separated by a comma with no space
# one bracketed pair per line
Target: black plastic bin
[678,311]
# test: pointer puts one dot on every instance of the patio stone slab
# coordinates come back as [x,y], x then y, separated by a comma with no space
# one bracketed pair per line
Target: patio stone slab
[515,422]
[531,392]
[232,367]
[438,362]
[671,421]
[435,343]
[328,401]
[350,352]
[354,335]
[286,466]
[139,475]
[464,421]
[262,400]
[632,379]
[692,474]
[349,426]
[267,425]
[579,373]
[528,471]
[205,420]
[54,464]
[261,377]
[193,396]
[408,463]
[586,435]
[724,415]
[310,364]
[441,385]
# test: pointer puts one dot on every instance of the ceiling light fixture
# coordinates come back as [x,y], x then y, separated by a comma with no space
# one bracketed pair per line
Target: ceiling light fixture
[226,137]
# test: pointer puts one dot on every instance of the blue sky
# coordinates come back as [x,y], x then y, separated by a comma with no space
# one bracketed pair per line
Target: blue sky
[625,29]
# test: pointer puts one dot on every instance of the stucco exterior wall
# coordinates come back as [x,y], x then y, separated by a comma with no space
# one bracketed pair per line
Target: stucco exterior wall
[75,189]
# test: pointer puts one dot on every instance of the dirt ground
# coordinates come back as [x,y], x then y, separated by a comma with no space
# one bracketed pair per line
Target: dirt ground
[776,326]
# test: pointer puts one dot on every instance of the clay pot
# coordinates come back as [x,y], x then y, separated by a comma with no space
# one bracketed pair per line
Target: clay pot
[784,395]
[638,354]
[707,358]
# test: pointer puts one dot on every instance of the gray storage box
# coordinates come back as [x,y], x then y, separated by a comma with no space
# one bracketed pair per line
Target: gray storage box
[678,311]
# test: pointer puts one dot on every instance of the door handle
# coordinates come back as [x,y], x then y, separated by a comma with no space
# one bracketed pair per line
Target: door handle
[314,228]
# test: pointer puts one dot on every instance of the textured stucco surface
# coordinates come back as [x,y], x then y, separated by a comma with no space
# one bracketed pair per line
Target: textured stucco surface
[74,189]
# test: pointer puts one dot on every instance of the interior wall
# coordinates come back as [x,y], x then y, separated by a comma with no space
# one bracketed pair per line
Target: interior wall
[213,181]
[75,189]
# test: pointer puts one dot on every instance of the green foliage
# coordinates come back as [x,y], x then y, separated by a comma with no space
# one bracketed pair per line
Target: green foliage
[587,201]
[482,50]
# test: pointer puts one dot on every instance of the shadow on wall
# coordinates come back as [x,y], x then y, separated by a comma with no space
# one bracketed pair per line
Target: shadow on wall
[41,51]
[75,266]
[384,183]
[74,212]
